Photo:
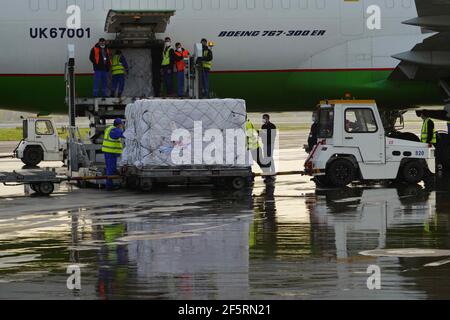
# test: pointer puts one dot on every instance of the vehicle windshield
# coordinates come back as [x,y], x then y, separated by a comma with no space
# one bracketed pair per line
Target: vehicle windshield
[326,121]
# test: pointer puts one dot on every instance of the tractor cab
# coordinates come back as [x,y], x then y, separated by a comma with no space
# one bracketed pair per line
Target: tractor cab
[353,146]
[40,142]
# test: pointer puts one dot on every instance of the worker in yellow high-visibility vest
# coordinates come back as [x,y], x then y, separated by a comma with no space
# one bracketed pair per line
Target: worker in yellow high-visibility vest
[253,144]
[205,62]
[168,58]
[428,134]
[119,68]
[112,148]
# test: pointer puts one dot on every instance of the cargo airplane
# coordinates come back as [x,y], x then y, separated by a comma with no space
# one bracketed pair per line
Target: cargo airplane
[276,54]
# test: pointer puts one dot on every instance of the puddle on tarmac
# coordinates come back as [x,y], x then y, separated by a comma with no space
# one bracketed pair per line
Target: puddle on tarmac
[283,241]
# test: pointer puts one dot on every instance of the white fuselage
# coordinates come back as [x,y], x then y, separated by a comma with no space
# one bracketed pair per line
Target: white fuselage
[309,34]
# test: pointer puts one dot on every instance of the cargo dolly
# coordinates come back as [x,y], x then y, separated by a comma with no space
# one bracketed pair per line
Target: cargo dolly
[40,181]
[147,178]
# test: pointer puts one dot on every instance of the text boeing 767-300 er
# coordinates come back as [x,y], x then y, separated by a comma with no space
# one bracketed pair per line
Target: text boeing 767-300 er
[275,54]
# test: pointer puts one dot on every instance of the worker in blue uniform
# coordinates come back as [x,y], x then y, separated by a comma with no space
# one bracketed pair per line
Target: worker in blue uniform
[112,148]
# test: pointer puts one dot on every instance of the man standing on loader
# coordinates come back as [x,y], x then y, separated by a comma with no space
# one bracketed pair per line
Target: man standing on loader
[101,60]
[119,69]
[167,66]
[205,61]
[180,55]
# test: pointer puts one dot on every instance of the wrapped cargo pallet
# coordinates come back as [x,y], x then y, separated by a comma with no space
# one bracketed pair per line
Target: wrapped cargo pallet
[169,132]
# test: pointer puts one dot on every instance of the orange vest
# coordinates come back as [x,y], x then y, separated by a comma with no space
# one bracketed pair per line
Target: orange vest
[180,64]
[97,55]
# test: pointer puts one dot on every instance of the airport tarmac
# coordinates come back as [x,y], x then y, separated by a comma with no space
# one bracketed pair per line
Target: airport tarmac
[288,240]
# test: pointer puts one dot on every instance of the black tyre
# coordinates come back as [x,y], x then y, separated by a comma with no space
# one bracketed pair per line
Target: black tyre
[341,172]
[32,156]
[238,183]
[46,188]
[413,172]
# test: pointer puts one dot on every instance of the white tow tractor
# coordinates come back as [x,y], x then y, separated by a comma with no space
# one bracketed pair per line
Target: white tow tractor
[353,146]
[40,142]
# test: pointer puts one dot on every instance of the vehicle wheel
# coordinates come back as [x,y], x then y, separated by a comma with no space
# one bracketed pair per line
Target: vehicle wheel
[341,172]
[413,172]
[32,156]
[238,183]
[46,188]
[146,186]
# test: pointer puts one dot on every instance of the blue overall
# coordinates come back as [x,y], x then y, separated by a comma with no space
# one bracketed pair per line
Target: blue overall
[111,158]
[168,79]
[101,77]
[180,83]
[118,81]
[205,83]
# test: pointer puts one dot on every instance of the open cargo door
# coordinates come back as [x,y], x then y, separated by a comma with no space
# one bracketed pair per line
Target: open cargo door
[137,24]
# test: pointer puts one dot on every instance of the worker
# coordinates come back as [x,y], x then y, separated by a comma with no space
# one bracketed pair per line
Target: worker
[101,60]
[118,69]
[313,133]
[206,65]
[167,66]
[268,135]
[253,144]
[112,148]
[180,55]
[428,134]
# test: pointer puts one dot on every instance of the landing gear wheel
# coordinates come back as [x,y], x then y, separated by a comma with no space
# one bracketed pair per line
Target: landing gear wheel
[32,156]
[238,183]
[46,188]
[341,172]
[413,172]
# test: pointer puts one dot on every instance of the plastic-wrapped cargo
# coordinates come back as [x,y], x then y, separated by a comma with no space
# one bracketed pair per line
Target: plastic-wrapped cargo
[176,132]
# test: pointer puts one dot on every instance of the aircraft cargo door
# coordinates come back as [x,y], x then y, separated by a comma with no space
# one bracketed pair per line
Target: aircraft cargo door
[352,17]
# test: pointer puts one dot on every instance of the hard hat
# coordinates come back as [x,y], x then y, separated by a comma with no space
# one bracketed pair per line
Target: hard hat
[118,121]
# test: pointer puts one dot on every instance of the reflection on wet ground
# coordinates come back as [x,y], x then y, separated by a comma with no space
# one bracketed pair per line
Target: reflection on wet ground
[281,241]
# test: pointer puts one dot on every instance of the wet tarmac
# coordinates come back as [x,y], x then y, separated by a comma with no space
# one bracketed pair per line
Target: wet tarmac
[286,240]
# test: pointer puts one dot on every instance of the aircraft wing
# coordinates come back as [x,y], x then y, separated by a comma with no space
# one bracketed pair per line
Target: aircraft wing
[429,60]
